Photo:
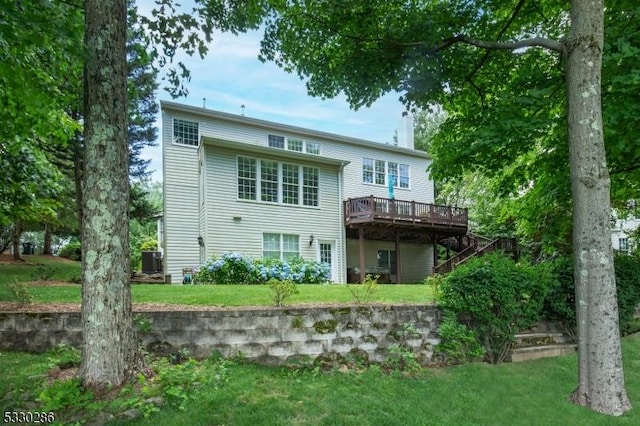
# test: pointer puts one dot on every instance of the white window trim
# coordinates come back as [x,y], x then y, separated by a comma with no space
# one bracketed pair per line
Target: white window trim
[280,197]
[281,243]
[305,144]
[186,145]
[386,174]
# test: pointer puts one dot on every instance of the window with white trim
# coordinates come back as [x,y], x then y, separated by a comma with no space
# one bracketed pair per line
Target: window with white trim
[293,144]
[379,172]
[280,246]
[275,182]
[247,179]
[185,132]
[623,243]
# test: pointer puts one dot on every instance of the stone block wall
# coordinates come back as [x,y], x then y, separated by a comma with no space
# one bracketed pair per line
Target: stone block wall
[268,335]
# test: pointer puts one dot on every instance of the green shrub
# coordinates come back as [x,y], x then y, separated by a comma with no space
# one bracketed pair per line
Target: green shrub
[365,292]
[21,293]
[281,289]
[560,303]
[457,342]
[495,297]
[628,291]
[150,244]
[72,251]
[235,268]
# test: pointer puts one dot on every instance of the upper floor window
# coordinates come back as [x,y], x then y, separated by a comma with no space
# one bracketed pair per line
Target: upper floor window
[274,182]
[294,144]
[379,172]
[185,132]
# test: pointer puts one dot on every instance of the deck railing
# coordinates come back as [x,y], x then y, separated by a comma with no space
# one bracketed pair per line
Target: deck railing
[372,208]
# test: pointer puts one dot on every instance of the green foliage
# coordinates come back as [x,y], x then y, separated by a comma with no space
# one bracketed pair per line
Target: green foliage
[560,303]
[150,244]
[235,268]
[21,293]
[628,291]
[282,289]
[496,297]
[143,324]
[43,272]
[457,342]
[63,356]
[64,394]
[73,251]
[365,292]
[400,356]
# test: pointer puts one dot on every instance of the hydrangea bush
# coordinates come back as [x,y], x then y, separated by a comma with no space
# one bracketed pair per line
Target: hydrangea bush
[235,268]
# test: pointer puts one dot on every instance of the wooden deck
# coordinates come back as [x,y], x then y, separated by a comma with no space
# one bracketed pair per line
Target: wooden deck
[427,217]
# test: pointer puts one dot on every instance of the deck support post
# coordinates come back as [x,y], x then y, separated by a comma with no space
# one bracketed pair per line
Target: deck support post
[361,241]
[398,263]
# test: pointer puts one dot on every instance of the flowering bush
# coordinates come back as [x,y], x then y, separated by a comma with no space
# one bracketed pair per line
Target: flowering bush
[234,268]
[231,268]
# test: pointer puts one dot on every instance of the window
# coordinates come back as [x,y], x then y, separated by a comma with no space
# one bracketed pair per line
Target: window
[312,148]
[293,144]
[379,172]
[280,246]
[310,186]
[623,244]
[367,170]
[290,184]
[246,178]
[274,182]
[387,260]
[269,181]
[276,141]
[185,132]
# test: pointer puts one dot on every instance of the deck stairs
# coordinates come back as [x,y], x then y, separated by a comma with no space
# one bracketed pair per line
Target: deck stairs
[472,245]
[545,340]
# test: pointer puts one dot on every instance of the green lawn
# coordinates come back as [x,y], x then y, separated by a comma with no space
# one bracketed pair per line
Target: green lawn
[214,295]
[530,393]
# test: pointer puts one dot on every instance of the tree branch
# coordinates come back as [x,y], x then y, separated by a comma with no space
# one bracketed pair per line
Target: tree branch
[501,45]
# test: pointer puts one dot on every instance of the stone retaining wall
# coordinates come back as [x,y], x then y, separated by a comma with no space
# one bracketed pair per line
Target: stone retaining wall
[267,335]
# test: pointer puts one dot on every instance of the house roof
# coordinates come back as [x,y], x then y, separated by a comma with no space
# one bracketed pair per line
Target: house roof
[285,128]
[268,151]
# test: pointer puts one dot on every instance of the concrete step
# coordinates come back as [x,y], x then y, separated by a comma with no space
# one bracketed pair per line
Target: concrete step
[524,340]
[545,351]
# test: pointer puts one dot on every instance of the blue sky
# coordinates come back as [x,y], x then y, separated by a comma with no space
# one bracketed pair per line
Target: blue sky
[231,75]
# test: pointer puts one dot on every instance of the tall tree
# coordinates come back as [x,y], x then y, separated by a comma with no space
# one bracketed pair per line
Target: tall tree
[110,352]
[433,50]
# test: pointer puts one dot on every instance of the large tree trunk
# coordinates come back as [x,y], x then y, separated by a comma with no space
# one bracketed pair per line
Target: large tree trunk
[601,378]
[110,353]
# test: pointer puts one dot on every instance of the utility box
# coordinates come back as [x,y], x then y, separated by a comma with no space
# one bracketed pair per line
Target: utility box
[151,262]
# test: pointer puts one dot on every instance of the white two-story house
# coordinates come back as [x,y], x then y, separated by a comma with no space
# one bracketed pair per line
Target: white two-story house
[263,189]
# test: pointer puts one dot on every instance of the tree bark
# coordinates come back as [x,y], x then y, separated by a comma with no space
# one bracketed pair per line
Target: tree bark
[601,378]
[15,239]
[46,246]
[110,352]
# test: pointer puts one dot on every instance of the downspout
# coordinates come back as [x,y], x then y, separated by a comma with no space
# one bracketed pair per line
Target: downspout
[343,233]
